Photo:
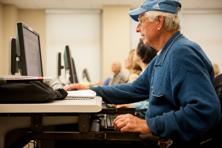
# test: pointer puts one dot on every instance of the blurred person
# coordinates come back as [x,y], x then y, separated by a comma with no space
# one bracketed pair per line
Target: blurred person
[133,67]
[144,54]
[216,69]
[118,77]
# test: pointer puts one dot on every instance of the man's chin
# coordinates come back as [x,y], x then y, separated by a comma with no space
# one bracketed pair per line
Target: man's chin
[145,41]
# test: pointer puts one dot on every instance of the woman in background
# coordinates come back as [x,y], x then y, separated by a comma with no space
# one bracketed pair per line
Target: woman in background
[143,55]
[133,67]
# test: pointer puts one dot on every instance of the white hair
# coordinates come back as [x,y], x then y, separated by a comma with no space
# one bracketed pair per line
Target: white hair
[171,21]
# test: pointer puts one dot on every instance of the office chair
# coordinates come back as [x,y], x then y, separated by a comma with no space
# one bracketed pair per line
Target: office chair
[106,81]
[212,138]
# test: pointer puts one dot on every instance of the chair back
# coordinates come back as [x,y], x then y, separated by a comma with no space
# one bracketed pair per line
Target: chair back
[212,137]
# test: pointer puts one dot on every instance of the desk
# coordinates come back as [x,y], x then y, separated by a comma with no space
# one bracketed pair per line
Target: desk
[58,106]
[9,119]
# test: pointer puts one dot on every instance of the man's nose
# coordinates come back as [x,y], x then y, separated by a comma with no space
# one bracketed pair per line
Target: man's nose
[138,28]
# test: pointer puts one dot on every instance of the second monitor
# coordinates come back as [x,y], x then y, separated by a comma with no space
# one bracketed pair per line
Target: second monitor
[70,69]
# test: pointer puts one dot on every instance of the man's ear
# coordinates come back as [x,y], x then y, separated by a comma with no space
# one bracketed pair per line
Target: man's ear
[159,22]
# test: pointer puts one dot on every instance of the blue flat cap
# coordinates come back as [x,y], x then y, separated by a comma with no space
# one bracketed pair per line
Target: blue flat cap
[155,5]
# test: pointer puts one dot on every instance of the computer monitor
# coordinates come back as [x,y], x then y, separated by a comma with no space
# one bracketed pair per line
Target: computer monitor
[13,62]
[59,64]
[69,66]
[86,74]
[29,50]
[59,84]
[75,73]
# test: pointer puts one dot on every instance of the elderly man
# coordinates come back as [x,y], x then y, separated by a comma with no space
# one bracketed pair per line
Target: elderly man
[178,82]
[118,77]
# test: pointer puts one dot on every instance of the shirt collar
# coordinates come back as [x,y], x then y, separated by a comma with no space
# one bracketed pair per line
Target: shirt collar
[158,53]
[162,53]
[116,73]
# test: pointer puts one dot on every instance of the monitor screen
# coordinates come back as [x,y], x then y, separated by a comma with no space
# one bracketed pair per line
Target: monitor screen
[28,42]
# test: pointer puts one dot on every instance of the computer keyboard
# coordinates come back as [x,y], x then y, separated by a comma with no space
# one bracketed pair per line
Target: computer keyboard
[107,121]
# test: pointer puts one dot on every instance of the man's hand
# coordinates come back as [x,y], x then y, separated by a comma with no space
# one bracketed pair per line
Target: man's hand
[124,105]
[130,123]
[76,86]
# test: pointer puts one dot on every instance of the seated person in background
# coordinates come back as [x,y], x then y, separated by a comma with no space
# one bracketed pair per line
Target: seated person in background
[133,67]
[183,103]
[143,55]
[216,69]
[118,77]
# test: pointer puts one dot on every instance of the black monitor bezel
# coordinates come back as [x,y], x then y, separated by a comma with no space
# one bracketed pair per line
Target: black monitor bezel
[21,47]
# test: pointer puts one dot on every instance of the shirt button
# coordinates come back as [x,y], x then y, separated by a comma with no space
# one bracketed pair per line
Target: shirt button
[151,86]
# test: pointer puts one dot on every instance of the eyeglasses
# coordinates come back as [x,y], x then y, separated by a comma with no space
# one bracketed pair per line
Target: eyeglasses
[141,20]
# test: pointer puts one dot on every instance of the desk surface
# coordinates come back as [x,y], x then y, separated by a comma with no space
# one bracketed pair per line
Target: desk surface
[59,106]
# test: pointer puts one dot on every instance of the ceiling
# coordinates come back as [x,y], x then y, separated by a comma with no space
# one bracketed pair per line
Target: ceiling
[98,4]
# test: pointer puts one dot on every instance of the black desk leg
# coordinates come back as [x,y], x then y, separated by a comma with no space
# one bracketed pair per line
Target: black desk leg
[36,123]
[84,122]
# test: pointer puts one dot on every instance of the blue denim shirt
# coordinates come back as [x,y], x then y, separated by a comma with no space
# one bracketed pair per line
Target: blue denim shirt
[141,107]
[179,84]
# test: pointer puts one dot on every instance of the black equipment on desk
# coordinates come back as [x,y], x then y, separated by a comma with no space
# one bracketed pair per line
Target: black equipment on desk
[107,121]
[29,92]
[25,52]
[70,68]
[29,50]
[86,75]
[59,65]
[13,63]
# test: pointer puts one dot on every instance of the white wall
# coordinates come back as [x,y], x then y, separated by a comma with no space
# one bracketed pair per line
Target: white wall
[206,30]
[115,38]
[1,39]
[135,37]
[81,31]
[9,14]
